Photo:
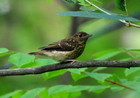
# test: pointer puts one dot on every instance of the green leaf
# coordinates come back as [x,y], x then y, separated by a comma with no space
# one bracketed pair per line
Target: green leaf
[126,59]
[78,88]
[78,71]
[86,8]
[120,4]
[76,76]
[58,88]
[74,95]
[44,94]
[99,69]
[32,93]
[137,88]
[137,79]
[53,74]
[131,71]
[97,15]
[82,2]
[133,50]
[98,88]
[20,59]
[97,1]
[103,55]
[3,50]
[6,54]
[62,94]
[9,95]
[18,95]
[66,95]
[132,84]
[42,62]
[71,1]
[99,76]
[116,89]
[90,9]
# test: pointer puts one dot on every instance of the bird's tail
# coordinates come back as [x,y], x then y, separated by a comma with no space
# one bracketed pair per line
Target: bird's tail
[36,53]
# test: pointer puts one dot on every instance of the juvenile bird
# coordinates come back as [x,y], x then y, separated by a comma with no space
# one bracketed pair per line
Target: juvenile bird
[66,49]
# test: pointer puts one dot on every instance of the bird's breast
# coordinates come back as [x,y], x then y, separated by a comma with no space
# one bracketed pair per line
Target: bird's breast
[65,55]
[58,55]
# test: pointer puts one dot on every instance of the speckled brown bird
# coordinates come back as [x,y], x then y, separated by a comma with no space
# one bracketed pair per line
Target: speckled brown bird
[66,49]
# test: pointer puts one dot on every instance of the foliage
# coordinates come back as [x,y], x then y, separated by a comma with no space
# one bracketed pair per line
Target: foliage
[66,83]
[97,15]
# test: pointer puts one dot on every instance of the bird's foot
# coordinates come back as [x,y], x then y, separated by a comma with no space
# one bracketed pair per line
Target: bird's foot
[72,61]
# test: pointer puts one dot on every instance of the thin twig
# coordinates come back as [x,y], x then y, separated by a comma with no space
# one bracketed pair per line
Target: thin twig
[113,82]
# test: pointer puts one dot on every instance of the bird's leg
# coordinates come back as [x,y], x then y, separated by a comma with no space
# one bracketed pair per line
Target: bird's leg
[72,61]
[69,61]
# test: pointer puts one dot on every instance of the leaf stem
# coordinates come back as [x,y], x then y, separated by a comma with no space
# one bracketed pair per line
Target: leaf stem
[123,21]
[97,7]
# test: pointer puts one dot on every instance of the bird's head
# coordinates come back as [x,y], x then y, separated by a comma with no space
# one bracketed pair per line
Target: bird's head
[81,37]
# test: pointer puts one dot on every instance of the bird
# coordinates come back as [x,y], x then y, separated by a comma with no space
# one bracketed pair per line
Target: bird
[66,49]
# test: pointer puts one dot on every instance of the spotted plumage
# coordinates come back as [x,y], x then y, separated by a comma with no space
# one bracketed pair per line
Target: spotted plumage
[65,49]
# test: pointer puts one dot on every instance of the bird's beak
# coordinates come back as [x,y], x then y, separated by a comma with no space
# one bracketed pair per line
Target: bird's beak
[89,35]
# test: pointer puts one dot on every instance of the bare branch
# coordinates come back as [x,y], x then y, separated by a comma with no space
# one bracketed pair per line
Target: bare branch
[78,64]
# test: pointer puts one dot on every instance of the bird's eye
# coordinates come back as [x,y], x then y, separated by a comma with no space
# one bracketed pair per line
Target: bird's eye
[80,35]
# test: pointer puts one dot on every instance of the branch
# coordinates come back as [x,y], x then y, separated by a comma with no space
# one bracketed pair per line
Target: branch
[76,64]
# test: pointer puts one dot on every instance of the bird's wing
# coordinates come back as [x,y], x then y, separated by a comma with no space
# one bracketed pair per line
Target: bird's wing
[53,46]
[63,45]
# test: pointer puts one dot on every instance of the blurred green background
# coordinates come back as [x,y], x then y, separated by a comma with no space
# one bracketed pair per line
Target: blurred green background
[26,25]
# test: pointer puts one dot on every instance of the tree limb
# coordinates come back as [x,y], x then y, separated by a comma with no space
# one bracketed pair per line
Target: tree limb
[77,64]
